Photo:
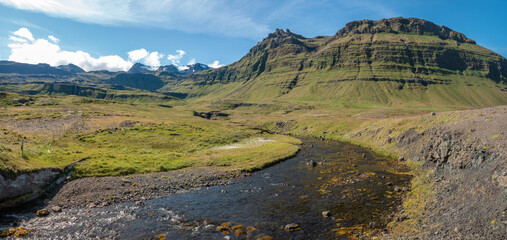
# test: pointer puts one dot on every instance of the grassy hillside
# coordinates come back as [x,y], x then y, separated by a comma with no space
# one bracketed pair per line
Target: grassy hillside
[359,67]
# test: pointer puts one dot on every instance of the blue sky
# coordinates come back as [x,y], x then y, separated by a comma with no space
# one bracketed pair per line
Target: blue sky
[105,34]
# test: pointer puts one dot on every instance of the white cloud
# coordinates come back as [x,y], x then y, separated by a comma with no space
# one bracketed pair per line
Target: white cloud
[182,68]
[215,64]
[25,48]
[153,59]
[53,39]
[45,51]
[16,39]
[148,58]
[24,33]
[175,59]
[191,62]
[138,54]
[224,17]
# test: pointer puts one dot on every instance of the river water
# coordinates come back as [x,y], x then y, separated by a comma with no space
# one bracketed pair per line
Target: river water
[354,184]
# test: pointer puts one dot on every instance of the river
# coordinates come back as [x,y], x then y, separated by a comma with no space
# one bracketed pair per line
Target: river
[359,188]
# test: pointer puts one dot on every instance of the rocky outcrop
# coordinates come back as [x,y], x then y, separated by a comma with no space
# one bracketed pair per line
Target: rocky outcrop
[212,115]
[469,175]
[24,187]
[401,25]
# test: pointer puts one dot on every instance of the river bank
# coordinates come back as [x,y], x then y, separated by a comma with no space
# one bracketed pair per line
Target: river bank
[361,191]
[459,160]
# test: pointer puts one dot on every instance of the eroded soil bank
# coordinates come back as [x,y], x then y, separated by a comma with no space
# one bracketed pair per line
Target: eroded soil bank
[467,161]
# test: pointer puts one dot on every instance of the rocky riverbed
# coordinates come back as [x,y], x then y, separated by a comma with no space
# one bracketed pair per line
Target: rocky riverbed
[329,190]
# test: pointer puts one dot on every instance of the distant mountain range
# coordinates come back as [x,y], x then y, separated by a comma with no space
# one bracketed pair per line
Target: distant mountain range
[389,62]
[182,70]
[41,68]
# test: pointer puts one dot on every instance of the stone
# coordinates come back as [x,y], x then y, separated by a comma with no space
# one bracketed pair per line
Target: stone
[401,159]
[433,114]
[139,203]
[291,227]
[326,214]
[389,184]
[42,213]
[312,163]
[397,189]
[56,209]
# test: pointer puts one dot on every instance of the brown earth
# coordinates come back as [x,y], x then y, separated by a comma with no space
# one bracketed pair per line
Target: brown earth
[469,160]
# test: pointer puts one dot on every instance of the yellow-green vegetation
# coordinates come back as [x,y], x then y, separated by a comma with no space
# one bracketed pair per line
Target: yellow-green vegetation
[359,71]
[415,203]
[110,138]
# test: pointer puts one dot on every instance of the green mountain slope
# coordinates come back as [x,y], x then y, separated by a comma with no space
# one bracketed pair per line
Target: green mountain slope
[390,62]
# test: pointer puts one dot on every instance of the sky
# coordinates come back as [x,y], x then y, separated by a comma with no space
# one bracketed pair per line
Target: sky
[113,35]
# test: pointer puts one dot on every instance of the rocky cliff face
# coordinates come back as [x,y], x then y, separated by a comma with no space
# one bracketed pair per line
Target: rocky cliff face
[402,57]
[401,25]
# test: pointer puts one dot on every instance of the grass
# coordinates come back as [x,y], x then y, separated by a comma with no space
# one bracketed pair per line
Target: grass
[341,73]
[420,197]
[120,138]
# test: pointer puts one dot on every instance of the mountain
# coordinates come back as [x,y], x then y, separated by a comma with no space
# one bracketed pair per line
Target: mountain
[9,67]
[193,68]
[168,68]
[140,68]
[71,68]
[137,80]
[182,70]
[393,62]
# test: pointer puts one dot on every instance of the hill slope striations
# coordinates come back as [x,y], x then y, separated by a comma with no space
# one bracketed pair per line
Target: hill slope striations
[389,62]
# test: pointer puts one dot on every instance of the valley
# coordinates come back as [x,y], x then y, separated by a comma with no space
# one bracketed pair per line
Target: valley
[399,118]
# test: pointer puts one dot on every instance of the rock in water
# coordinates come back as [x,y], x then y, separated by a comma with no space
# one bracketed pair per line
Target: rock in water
[42,213]
[312,163]
[292,227]
[326,214]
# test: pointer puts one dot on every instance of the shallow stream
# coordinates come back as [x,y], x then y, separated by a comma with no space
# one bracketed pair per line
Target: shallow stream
[356,185]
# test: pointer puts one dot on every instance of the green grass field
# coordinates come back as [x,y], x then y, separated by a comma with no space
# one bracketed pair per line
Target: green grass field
[113,138]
